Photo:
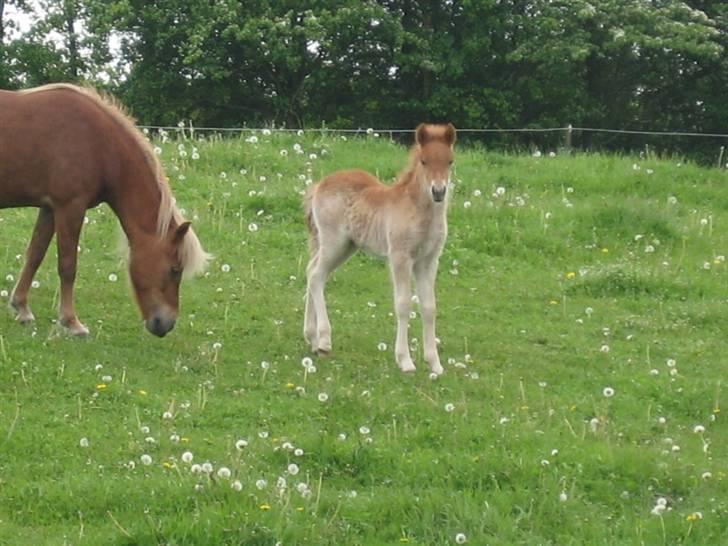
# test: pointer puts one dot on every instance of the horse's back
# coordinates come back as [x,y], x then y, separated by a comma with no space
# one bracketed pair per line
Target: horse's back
[50,146]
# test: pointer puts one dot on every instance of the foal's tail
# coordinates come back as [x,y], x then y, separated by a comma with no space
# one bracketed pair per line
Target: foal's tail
[313,243]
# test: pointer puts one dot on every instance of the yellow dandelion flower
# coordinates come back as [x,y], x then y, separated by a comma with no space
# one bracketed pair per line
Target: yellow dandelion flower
[167,464]
[265,506]
[404,539]
[605,251]
[299,509]
[101,386]
[184,439]
[570,275]
[142,392]
[553,302]
[573,408]
[290,385]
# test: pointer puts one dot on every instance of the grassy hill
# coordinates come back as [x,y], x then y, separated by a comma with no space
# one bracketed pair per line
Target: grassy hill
[582,317]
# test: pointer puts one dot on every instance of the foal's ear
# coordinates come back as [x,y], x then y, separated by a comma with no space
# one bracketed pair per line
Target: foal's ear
[421,134]
[450,134]
[181,231]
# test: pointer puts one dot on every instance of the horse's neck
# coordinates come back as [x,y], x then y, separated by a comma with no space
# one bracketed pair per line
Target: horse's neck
[136,200]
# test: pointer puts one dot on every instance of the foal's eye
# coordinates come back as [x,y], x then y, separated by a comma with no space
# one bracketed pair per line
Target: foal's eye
[423,162]
[175,272]
[450,162]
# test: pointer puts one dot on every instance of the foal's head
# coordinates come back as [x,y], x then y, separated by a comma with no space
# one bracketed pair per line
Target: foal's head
[155,269]
[435,151]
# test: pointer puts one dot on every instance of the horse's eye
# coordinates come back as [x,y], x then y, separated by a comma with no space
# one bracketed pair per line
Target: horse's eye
[450,162]
[175,272]
[423,162]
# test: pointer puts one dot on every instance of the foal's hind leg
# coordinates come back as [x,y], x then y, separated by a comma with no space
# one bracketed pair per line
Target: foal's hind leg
[68,228]
[42,235]
[332,253]
[309,314]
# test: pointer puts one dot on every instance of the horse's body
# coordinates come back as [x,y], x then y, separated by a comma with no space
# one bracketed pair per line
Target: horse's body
[405,222]
[64,149]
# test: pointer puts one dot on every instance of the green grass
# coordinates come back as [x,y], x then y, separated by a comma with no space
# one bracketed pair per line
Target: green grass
[588,272]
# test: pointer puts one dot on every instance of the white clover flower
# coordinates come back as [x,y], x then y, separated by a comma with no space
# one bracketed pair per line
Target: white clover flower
[167,415]
[323,397]
[460,538]
[225,268]
[382,346]
[312,157]
[224,473]
[449,407]
[608,392]
[477,193]
[698,429]
[236,485]
[113,277]
[106,378]
[146,459]
[261,484]
[292,469]
[604,348]
[298,452]
[150,440]
[649,249]
[252,227]
[195,156]
[654,371]
[35,284]
[467,204]
[670,362]
[563,496]
[4,293]
[187,457]
[706,475]
[83,442]
[661,420]
[364,430]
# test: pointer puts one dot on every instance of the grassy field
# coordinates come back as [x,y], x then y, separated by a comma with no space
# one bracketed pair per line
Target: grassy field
[582,317]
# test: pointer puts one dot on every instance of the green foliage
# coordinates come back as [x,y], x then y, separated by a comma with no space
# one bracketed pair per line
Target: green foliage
[562,276]
[393,63]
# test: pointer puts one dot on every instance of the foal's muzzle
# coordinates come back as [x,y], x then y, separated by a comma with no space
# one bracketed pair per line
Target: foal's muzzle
[438,194]
[159,326]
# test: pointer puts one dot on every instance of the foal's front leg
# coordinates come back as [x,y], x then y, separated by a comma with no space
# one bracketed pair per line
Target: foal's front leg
[425,273]
[401,267]
[42,235]
[68,228]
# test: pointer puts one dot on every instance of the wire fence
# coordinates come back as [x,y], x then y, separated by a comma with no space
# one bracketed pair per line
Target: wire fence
[704,147]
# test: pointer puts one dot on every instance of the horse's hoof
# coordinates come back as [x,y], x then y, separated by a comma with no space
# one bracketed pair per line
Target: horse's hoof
[24,317]
[75,328]
[323,352]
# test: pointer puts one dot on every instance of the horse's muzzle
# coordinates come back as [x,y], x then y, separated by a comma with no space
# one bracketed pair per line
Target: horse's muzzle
[159,326]
[438,195]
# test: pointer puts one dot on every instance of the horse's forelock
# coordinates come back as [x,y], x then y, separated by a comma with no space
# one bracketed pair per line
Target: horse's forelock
[192,257]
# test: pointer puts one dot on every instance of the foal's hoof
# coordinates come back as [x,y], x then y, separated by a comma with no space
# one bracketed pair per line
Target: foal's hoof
[407,366]
[323,352]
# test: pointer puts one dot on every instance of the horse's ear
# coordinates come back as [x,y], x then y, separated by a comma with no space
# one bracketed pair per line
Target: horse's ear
[421,134]
[181,231]
[450,137]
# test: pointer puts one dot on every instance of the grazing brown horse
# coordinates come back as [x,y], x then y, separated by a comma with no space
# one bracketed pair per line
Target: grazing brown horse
[405,222]
[64,149]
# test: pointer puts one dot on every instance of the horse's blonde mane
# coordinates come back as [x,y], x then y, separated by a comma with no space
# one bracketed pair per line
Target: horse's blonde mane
[192,256]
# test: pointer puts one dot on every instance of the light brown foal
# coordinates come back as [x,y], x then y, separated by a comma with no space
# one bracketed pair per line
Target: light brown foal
[405,223]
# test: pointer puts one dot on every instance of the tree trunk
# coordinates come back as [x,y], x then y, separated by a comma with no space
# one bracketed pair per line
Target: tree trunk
[2,22]
[70,13]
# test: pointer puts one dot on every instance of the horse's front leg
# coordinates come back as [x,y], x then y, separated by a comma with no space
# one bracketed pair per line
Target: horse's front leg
[425,273]
[68,228]
[310,333]
[401,268]
[42,235]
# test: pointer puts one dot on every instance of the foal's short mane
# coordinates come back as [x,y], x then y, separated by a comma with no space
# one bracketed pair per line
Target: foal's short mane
[192,257]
